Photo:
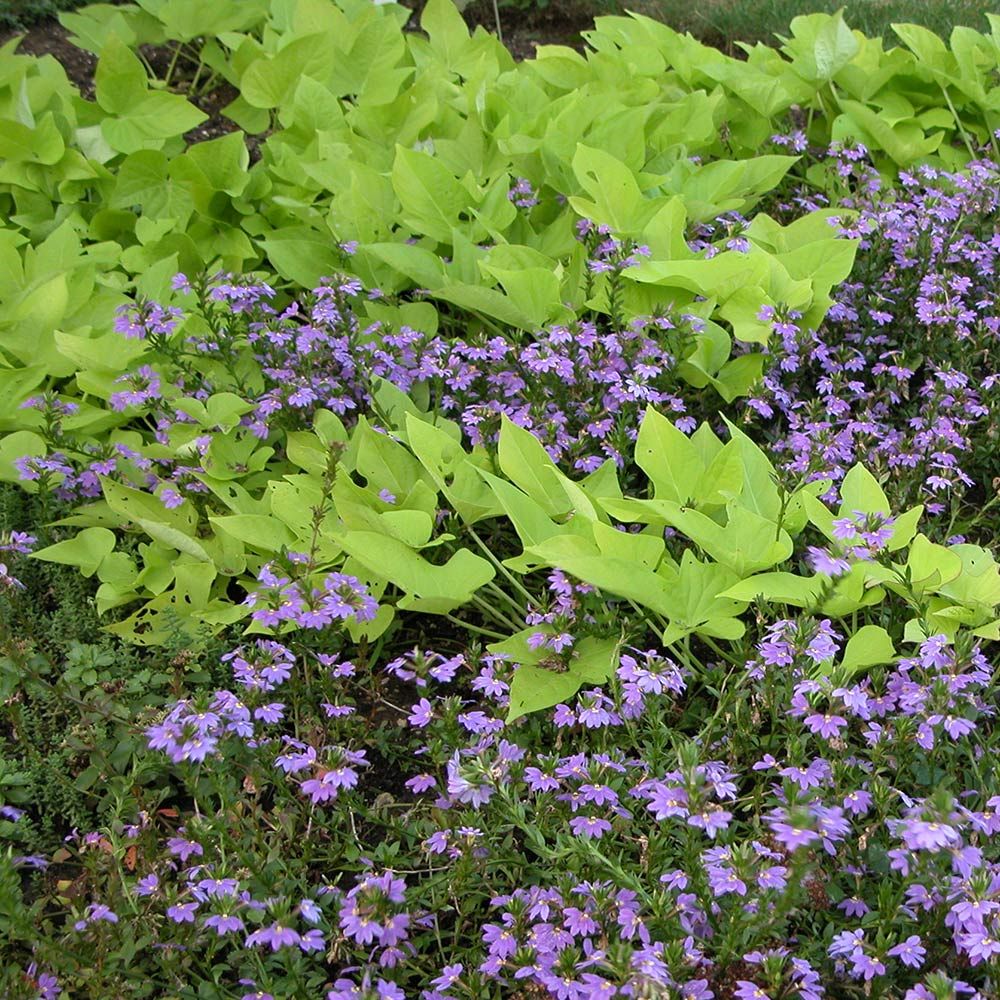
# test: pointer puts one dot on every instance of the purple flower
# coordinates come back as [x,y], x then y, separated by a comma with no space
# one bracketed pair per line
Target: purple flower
[449,976]
[667,800]
[312,940]
[147,885]
[858,802]
[927,836]
[421,783]
[828,726]
[749,991]
[853,906]
[421,714]
[468,784]
[980,946]
[182,913]
[969,914]
[910,952]
[712,821]
[792,837]
[182,848]
[276,936]
[823,561]
[224,923]
[589,827]
[563,717]
[863,966]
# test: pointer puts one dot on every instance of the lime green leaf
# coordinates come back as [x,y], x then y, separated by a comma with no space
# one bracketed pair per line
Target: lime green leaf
[174,528]
[978,585]
[860,491]
[385,463]
[835,47]
[451,584]
[17,445]
[120,79]
[259,531]
[621,577]
[534,688]
[444,459]
[527,464]
[87,550]
[151,119]
[668,458]
[616,200]
[869,646]
[904,528]
[487,301]
[931,566]
[301,254]
[41,144]
[429,195]
[778,588]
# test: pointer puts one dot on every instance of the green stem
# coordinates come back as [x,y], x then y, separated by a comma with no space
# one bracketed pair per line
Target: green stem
[173,65]
[714,646]
[681,655]
[504,572]
[958,122]
[497,615]
[150,72]
[489,633]
[500,592]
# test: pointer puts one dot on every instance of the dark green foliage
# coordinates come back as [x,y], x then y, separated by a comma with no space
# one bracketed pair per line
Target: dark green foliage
[75,696]
[19,14]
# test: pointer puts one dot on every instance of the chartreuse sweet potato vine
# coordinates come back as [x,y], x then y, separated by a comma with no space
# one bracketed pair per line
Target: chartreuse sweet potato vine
[364,504]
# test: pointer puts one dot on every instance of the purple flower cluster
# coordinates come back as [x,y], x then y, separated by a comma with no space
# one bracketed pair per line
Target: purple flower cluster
[282,600]
[18,543]
[144,387]
[146,320]
[560,942]
[373,913]
[190,732]
[903,371]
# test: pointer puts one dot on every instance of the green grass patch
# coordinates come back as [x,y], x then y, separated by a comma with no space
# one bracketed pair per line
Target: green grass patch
[726,22]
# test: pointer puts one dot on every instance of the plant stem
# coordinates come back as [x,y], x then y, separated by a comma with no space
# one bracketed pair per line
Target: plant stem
[489,633]
[501,568]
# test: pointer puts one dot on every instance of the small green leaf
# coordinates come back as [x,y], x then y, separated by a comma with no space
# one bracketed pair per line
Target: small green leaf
[174,528]
[778,588]
[535,688]
[259,531]
[869,646]
[430,196]
[931,566]
[835,47]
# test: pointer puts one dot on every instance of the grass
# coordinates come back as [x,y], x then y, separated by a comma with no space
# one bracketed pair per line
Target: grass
[724,22]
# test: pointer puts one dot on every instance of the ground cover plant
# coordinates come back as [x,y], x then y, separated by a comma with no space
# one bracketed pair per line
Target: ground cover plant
[489,529]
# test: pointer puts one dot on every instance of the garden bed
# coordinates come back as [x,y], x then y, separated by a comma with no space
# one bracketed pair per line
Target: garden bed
[479,523]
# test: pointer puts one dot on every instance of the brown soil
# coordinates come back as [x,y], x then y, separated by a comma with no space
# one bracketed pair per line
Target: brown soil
[523,30]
